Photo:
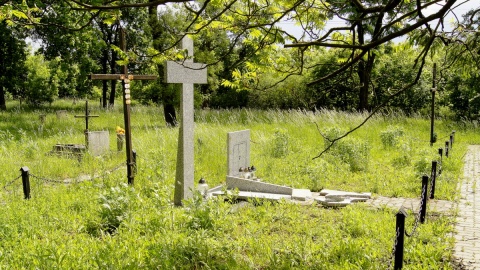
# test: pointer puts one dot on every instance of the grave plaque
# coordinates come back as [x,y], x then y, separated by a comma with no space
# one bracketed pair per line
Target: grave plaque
[187,73]
[238,151]
[98,142]
[61,114]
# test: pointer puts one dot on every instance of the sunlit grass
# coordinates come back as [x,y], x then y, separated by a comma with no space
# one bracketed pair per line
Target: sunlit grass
[63,226]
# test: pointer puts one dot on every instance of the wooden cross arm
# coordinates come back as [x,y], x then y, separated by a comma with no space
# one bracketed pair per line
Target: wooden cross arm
[83,116]
[121,77]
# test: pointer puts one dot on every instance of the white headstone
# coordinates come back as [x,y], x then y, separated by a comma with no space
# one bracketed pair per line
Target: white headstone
[98,142]
[238,151]
[187,73]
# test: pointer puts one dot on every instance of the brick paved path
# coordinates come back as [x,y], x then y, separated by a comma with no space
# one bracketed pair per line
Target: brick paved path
[467,237]
[467,234]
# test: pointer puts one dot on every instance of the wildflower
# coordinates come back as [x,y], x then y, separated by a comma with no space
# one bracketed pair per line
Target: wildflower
[120,130]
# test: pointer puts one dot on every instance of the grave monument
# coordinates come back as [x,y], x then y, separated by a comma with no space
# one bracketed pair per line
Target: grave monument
[187,73]
[242,181]
[125,78]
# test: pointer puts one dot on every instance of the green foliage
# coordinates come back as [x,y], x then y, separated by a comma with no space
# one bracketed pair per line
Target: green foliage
[41,86]
[391,136]
[280,146]
[64,226]
[354,152]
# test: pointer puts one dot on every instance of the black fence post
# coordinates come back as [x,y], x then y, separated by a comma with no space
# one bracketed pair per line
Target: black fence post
[451,141]
[400,229]
[453,135]
[134,161]
[440,152]
[26,182]
[423,209]
[434,178]
[446,149]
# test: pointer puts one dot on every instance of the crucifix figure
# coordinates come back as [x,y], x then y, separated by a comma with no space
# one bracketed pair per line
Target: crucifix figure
[125,77]
[86,116]
[187,73]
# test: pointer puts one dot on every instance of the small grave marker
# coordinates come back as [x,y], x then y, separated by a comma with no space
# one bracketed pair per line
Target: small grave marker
[61,114]
[86,116]
[187,73]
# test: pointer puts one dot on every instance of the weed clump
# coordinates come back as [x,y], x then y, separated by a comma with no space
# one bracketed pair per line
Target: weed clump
[114,204]
[391,136]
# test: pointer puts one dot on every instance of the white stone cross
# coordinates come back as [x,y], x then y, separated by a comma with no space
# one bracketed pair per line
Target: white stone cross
[187,73]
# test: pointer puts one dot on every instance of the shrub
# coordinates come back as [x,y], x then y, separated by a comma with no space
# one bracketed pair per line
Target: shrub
[280,143]
[391,136]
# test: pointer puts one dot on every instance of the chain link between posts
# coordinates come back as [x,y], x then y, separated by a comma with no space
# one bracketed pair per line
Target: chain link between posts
[394,249]
[11,182]
[417,217]
[72,181]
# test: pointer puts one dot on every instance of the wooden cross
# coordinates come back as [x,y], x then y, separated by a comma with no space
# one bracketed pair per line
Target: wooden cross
[125,78]
[86,116]
[187,73]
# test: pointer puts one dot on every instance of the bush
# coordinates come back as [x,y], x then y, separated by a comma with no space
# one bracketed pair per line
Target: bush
[280,143]
[391,136]
[354,152]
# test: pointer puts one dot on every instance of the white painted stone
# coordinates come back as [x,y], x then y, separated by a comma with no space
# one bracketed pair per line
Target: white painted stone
[255,186]
[301,194]
[245,195]
[340,193]
[342,203]
[238,143]
[98,142]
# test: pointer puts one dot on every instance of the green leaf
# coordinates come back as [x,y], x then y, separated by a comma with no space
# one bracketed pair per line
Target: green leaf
[19,14]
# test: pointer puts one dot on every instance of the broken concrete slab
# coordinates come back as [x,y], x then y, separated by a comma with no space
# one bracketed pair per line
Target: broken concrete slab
[323,201]
[301,194]
[339,193]
[256,186]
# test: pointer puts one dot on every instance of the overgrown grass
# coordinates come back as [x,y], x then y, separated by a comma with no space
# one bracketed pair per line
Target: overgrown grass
[106,224]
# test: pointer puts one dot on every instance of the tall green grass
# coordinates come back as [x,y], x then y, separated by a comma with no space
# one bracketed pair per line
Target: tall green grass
[106,224]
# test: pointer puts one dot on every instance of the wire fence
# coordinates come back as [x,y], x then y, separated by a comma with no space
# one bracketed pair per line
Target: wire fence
[79,179]
[397,251]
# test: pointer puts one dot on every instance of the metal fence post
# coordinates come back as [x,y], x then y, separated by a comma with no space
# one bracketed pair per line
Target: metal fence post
[26,182]
[134,162]
[440,152]
[423,208]
[400,229]
[446,149]
[434,178]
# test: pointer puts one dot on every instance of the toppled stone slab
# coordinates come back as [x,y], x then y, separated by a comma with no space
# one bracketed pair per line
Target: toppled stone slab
[339,193]
[301,194]
[256,186]
[338,198]
[322,200]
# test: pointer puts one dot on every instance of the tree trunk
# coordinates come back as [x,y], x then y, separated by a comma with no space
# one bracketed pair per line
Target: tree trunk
[364,73]
[167,100]
[3,105]
[104,82]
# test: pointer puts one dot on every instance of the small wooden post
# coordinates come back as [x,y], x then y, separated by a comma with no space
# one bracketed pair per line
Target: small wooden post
[400,230]
[434,178]
[26,182]
[440,152]
[432,117]
[446,149]
[424,198]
